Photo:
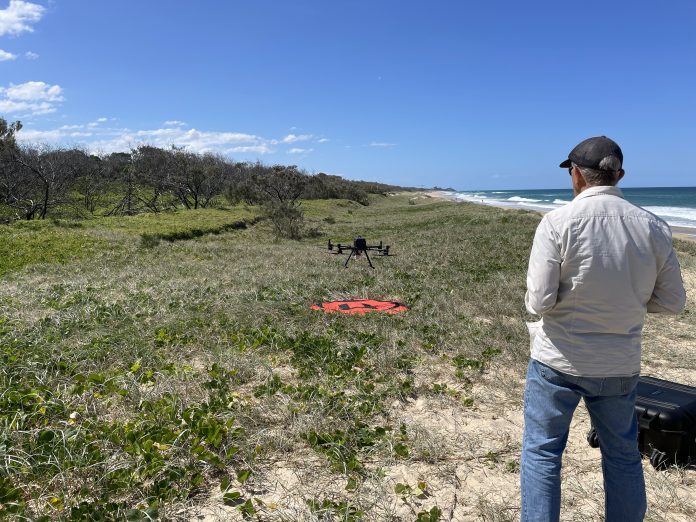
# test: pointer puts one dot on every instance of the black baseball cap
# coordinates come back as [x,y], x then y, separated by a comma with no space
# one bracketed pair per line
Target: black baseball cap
[599,153]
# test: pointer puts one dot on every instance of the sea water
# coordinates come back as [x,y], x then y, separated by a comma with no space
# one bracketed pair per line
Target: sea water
[676,205]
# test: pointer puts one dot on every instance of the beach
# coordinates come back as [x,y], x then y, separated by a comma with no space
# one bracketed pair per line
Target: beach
[687,233]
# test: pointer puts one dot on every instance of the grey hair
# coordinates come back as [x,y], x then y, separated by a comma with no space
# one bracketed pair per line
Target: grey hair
[596,177]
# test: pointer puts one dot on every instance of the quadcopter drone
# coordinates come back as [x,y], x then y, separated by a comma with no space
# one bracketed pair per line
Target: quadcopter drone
[359,247]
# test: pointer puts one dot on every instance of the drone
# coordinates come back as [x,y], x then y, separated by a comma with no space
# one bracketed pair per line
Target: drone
[359,247]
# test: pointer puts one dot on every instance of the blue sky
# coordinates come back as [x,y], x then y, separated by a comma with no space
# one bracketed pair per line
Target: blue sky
[470,95]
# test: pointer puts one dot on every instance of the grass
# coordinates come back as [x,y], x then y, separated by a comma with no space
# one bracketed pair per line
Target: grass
[185,375]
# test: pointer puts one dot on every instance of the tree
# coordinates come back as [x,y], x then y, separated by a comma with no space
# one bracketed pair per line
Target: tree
[91,179]
[282,184]
[153,168]
[241,185]
[7,136]
[8,150]
[283,187]
[197,179]
[121,170]
[46,174]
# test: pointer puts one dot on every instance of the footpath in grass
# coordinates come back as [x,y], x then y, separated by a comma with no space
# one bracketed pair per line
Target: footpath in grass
[169,379]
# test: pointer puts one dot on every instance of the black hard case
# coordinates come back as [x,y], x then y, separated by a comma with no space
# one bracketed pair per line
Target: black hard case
[666,414]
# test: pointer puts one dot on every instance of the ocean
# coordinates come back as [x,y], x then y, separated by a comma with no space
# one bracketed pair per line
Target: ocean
[676,205]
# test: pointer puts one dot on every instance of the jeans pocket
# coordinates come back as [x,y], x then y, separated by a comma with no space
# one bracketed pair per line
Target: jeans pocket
[550,375]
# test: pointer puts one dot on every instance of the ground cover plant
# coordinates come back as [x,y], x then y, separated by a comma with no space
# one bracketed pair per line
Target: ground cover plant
[168,366]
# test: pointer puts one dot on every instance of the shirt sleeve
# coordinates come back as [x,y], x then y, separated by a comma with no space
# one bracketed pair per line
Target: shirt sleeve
[544,270]
[669,296]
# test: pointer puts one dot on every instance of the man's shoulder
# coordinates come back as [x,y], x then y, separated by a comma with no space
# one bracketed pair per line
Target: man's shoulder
[592,208]
[561,214]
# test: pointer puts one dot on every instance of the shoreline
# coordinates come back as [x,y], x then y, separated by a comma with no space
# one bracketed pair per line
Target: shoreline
[678,232]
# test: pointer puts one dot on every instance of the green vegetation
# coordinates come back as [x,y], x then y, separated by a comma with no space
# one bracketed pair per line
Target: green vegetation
[40,182]
[158,365]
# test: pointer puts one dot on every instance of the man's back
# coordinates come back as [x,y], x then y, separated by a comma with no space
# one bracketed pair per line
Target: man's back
[607,257]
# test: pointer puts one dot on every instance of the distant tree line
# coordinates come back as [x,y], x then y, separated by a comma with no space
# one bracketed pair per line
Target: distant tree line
[38,181]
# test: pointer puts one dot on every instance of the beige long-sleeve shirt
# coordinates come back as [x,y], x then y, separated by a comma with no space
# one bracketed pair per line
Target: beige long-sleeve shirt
[597,265]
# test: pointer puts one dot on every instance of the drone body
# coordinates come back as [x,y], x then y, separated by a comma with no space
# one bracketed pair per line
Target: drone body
[358,248]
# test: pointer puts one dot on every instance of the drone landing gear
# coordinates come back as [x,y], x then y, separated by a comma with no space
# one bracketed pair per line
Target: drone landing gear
[351,255]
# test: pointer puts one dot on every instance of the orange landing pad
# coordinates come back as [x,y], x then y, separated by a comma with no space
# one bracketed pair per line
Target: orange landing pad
[361,306]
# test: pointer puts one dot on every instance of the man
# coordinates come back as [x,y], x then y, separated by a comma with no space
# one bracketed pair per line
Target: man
[597,265]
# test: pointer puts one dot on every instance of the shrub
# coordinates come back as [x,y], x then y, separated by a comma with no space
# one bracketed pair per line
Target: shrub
[287,218]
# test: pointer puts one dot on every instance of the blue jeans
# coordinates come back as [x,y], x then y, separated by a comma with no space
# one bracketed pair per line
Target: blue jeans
[550,398]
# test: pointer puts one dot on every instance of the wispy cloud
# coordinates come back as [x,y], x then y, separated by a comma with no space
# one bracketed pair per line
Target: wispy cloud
[42,136]
[96,122]
[100,137]
[293,138]
[251,149]
[324,140]
[29,55]
[19,16]
[33,109]
[6,57]
[381,144]
[107,139]
[33,98]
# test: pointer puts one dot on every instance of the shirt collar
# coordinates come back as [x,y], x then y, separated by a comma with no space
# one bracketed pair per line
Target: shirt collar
[598,191]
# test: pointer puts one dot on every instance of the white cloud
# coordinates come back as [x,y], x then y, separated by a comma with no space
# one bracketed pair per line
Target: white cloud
[33,91]
[101,138]
[97,122]
[253,149]
[5,56]
[381,144]
[17,17]
[31,55]
[174,123]
[292,138]
[39,136]
[192,139]
[324,140]
[11,106]
[31,98]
